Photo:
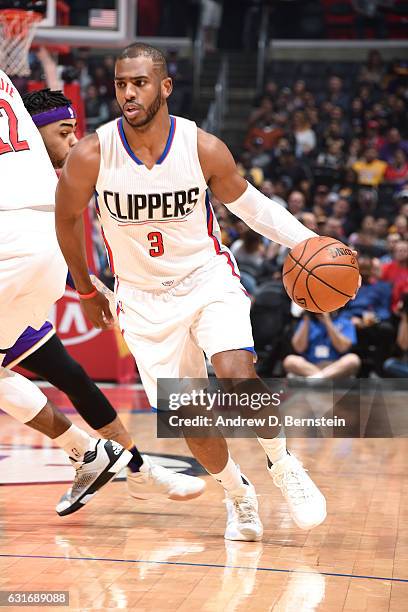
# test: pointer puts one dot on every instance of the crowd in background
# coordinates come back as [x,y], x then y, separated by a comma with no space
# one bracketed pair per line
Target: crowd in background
[337,158]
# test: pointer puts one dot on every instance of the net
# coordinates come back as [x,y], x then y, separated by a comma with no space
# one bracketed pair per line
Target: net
[17,29]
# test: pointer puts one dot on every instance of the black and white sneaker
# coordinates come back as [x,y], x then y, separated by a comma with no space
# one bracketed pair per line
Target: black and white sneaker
[101,463]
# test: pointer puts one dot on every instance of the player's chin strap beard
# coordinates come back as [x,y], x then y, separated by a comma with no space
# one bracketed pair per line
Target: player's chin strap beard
[151,112]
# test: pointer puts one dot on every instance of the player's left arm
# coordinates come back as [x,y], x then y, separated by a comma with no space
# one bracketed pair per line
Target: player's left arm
[262,214]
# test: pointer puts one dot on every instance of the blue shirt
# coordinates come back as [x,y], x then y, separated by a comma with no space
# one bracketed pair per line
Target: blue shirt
[373,297]
[320,347]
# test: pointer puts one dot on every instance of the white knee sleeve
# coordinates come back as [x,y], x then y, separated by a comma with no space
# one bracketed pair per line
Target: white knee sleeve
[19,397]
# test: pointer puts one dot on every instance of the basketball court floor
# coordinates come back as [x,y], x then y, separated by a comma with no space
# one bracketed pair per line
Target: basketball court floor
[119,553]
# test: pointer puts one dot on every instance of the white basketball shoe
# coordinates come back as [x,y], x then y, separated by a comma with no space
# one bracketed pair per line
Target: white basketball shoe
[101,463]
[307,504]
[243,522]
[155,480]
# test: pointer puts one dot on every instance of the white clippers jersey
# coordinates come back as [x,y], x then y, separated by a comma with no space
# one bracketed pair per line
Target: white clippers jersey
[158,224]
[27,177]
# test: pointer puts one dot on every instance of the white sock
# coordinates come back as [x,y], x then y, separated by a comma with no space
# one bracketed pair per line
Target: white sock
[74,441]
[275,448]
[230,477]
[317,375]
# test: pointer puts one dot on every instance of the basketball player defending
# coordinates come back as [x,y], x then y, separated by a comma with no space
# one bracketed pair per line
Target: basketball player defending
[42,352]
[178,290]
[32,278]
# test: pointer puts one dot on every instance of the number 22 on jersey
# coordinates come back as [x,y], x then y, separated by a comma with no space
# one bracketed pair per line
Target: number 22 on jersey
[15,145]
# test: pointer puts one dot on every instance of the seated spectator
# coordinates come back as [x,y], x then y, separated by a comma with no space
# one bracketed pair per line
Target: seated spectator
[397,171]
[246,168]
[305,137]
[249,252]
[323,344]
[373,136]
[393,143]
[396,272]
[366,239]
[296,203]
[332,156]
[334,228]
[397,366]
[335,93]
[309,220]
[269,189]
[370,312]
[341,211]
[321,200]
[390,245]
[261,158]
[373,71]
[97,112]
[369,168]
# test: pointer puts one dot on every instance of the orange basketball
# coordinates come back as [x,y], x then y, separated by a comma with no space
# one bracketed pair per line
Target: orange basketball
[320,274]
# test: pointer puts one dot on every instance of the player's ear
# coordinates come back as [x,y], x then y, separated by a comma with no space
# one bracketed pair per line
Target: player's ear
[167,87]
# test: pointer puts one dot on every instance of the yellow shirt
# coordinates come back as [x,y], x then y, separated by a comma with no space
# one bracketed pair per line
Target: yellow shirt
[370,174]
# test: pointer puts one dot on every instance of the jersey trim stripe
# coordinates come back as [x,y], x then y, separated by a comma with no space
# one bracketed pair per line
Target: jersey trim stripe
[169,140]
[108,252]
[129,151]
[217,246]
[126,144]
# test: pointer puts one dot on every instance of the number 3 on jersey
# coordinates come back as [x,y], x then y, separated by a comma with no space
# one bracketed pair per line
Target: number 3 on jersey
[156,243]
[15,145]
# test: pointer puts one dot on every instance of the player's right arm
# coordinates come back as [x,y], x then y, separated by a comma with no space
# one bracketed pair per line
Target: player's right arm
[75,189]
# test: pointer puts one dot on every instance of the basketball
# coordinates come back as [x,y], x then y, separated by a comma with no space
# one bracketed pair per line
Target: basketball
[320,274]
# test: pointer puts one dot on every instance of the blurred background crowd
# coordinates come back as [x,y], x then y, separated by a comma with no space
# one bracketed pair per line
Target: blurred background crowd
[326,140]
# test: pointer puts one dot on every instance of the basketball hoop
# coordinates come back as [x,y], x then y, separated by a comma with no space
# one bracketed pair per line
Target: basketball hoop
[17,29]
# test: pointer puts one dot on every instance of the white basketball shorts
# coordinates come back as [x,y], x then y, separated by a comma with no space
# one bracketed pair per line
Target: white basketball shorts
[32,271]
[168,332]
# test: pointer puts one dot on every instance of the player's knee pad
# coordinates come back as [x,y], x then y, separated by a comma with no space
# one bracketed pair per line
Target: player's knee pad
[19,397]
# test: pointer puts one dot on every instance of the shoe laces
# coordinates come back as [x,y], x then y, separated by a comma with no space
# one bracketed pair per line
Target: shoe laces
[291,480]
[245,509]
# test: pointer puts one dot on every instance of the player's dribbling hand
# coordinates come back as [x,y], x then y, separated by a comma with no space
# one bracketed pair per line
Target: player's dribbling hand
[98,311]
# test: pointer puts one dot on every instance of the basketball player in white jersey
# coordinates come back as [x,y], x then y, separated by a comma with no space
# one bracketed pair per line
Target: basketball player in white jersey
[178,290]
[32,278]
[42,352]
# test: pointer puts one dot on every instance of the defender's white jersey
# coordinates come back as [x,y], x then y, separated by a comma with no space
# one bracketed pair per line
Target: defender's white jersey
[158,224]
[27,177]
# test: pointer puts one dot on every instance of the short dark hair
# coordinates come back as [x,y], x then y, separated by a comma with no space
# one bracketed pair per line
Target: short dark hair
[141,49]
[43,100]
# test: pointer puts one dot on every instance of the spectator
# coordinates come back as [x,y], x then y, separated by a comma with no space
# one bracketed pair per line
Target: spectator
[321,200]
[270,190]
[396,272]
[296,203]
[309,220]
[249,253]
[366,240]
[323,344]
[334,228]
[370,312]
[246,168]
[369,168]
[305,137]
[97,112]
[397,366]
[391,242]
[335,94]
[397,170]
[341,211]
[373,71]
[393,143]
